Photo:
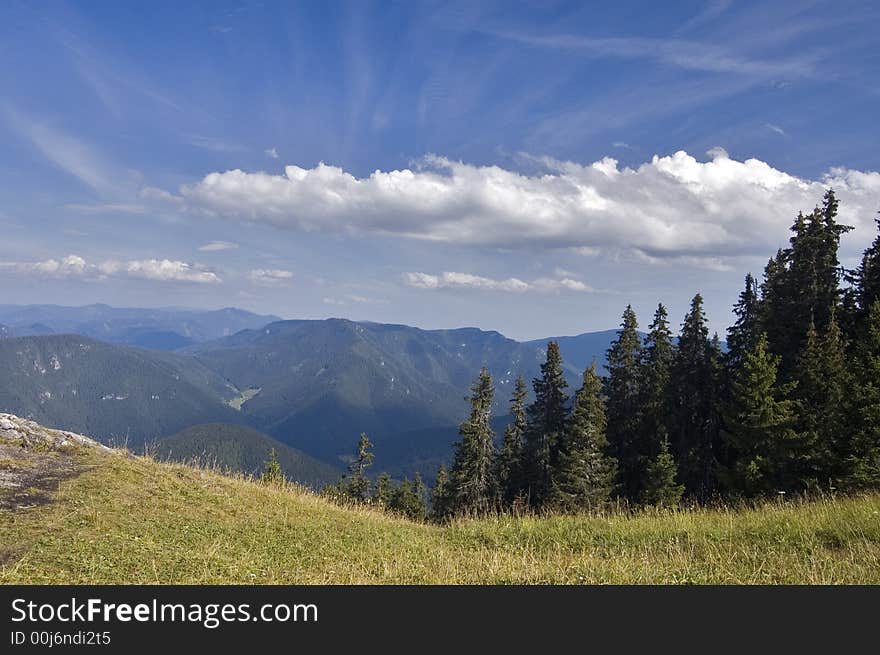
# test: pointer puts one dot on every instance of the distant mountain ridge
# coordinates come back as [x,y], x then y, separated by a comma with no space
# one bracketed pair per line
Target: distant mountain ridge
[161,329]
[314,385]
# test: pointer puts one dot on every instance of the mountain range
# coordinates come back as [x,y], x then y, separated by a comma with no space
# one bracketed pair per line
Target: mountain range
[313,385]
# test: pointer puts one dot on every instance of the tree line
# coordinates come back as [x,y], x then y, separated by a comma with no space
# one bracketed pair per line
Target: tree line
[791,407]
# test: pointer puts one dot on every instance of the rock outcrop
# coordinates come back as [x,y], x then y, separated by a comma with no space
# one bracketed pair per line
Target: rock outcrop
[33,435]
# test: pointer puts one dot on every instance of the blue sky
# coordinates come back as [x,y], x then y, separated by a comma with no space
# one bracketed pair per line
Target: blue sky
[529,168]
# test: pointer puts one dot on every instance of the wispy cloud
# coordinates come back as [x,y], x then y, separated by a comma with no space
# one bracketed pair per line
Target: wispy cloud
[775,128]
[271,277]
[457,280]
[107,208]
[74,266]
[272,153]
[214,246]
[211,143]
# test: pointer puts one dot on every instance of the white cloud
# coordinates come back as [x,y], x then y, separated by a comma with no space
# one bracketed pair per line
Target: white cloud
[271,152]
[671,206]
[74,266]
[455,280]
[775,128]
[271,277]
[213,246]
[107,208]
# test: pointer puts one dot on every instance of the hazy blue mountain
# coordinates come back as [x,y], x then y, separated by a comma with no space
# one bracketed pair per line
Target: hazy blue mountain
[243,449]
[111,392]
[164,329]
[317,384]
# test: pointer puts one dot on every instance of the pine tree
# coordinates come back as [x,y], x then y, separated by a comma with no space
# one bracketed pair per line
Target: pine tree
[758,426]
[470,479]
[272,473]
[383,490]
[357,484]
[693,405]
[658,354]
[440,506]
[861,457]
[822,384]
[742,335]
[408,499]
[546,425]
[509,461]
[661,488]
[868,276]
[624,406]
[585,474]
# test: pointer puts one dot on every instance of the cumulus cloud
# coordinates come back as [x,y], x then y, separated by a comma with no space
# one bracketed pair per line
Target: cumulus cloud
[74,266]
[213,246]
[671,206]
[456,280]
[270,277]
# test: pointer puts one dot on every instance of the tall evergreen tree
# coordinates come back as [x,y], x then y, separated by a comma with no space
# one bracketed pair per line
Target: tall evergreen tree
[357,484]
[383,490]
[661,488]
[861,452]
[868,276]
[585,474]
[822,383]
[470,479]
[272,472]
[546,424]
[743,334]
[440,505]
[693,405]
[509,473]
[624,406]
[758,426]
[658,354]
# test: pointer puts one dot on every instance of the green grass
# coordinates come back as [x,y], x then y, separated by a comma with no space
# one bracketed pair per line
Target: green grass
[133,520]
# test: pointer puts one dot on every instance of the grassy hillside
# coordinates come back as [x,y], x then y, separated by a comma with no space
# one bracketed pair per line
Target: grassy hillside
[133,520]
[242,449]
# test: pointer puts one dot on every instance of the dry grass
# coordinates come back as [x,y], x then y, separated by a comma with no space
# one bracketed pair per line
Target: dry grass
[134,520]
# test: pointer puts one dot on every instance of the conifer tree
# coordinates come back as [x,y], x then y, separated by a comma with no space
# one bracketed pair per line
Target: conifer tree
[509,473]
[440,506]
[470,479]
[743,334]
[624,406]
[822,382]
[546,425]
[357,484]
[693,405]
[585,474]
[861,457]
[868,276]
[758,426]
[272,472]
[661,488]
[408,499]
[383,490]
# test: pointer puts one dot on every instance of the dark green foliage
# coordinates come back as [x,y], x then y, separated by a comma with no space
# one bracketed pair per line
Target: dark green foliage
[661,488]
[868,276]
[585,474]
[408,499]
[272,470]
[803,283]
[758,426]
[743,334]
[383,490]
[509,473]
[242,449]
[471,482]
[440,506]
[356,484]
[693,405]
[546,425]
[861,451]
[624,405]
[822,383]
